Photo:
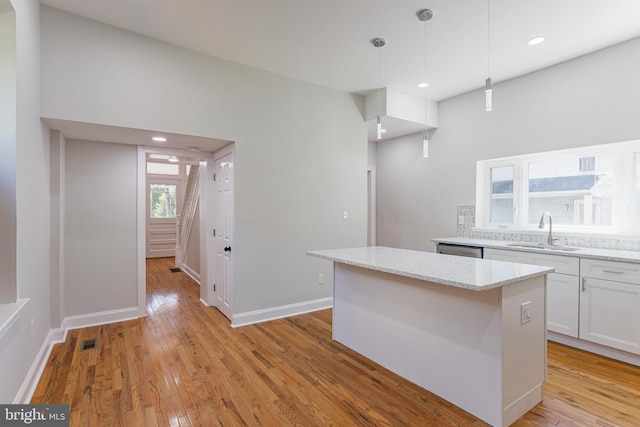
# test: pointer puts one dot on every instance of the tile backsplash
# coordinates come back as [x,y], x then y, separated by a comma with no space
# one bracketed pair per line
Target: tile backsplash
[467,221]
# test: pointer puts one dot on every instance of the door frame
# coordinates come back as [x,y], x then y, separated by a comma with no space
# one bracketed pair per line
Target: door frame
[206,215]
[371,206]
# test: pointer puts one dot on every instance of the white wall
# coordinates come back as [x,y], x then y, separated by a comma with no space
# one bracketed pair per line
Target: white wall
[300,149]
[8,157]
[21,345]
[586,101]
[100,227]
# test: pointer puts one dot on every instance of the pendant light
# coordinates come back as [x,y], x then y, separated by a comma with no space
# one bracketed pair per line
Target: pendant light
[488,90]
[425,15]
[378,43]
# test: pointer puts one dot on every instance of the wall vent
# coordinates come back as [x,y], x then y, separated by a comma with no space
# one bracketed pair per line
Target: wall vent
[89,344]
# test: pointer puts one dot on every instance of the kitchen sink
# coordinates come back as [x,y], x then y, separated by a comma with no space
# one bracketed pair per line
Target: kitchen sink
[544,246]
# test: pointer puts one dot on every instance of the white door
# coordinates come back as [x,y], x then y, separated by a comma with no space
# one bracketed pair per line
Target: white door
[163,198]
[223,238]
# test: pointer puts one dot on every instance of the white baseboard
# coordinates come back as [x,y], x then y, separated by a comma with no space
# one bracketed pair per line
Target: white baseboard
[205,303]
[101,318]
[602,350]
[191,273]
[30,383]
[258,316]
[56,336]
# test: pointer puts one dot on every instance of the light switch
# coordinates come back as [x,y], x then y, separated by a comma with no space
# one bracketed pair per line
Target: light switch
[525,312]
[345,215]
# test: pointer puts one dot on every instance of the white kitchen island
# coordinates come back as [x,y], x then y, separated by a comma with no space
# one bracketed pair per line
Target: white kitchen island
[456,326]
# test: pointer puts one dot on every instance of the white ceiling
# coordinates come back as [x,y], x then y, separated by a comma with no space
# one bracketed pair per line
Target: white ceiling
[327,42]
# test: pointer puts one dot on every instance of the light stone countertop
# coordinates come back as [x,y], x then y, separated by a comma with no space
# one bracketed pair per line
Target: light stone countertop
[468,273]
[590,253]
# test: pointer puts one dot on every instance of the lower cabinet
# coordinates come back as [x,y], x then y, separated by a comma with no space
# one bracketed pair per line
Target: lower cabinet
[591,299]
[563,303]
[610,309]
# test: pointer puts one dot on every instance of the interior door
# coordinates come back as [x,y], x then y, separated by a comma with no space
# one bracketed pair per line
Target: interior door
[223,239]
[163,199]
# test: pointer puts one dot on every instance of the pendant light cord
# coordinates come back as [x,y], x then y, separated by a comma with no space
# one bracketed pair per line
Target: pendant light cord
[426,80]
[379,79]
[488,38]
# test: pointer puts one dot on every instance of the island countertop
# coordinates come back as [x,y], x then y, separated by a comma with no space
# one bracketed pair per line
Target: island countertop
[468,273]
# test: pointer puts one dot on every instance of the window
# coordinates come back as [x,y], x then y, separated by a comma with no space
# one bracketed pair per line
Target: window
[163,168]
[502,194]
[584,189]
[163,201]
[558,186]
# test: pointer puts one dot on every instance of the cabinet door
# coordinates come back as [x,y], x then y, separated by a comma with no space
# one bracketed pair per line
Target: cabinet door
[504,255]
[610,314]
[563,303]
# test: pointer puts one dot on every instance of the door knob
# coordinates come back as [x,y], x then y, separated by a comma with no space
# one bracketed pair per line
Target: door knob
[227,249]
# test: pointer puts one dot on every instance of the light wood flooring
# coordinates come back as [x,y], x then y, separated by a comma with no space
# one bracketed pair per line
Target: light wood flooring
[183,365]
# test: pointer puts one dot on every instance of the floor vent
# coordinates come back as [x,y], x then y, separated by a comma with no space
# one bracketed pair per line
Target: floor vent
[89,344]
[175,270]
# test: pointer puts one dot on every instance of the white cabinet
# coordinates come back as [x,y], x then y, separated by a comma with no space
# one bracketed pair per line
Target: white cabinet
[563,286]
[610,304]
[504,255]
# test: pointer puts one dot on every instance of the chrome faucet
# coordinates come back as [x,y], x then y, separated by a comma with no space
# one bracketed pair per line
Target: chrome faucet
[550,239]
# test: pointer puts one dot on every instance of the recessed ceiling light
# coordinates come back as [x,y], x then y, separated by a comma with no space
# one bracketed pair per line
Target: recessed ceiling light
[536,40]
[423,84]
[159,139]
[383,130]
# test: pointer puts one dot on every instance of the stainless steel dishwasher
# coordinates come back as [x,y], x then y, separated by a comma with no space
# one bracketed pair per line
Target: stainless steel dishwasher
[460,250]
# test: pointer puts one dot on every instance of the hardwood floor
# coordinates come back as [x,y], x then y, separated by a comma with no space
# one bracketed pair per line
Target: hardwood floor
[183,365]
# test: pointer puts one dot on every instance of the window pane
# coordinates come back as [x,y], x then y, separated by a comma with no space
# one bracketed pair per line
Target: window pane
[163,168]
[163,201]
[502,194]
[575,191]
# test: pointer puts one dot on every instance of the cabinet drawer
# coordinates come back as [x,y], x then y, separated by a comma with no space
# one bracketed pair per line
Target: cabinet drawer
[504,255]
[562,264]
[610,270]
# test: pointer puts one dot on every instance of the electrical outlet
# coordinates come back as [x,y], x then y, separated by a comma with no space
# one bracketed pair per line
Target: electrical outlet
[33,327]
[320,279]
[525,312]
[461,220]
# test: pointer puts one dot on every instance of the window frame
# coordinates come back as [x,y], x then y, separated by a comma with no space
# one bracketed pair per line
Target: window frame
[623,219]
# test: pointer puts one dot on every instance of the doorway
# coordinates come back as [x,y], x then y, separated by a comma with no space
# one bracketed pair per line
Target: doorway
[162,180]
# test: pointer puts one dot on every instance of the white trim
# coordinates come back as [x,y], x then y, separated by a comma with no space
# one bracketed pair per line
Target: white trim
[602,350]
[372,189]
[9,314]
[32,378]
[190,272]
[205,303]
[142,231]
[100,318]
[273,313]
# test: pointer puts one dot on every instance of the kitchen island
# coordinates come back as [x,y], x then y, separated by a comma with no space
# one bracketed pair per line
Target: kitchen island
[470,330]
